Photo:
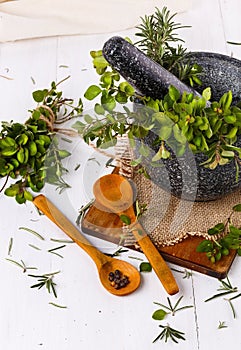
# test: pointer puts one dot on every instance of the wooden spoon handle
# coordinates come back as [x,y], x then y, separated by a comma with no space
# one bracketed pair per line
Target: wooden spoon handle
[157,262]
[55,215]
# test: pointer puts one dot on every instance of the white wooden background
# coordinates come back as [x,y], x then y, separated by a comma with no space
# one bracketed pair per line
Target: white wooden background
[93,318]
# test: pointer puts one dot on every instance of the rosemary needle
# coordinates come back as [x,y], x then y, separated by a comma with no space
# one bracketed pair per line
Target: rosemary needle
[32,231]
[61,240]
[10,245]
[59,306]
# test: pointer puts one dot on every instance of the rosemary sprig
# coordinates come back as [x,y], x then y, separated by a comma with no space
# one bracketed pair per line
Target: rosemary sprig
[46,280]
[226,288]
[175,308]
[169,333]
[158,34]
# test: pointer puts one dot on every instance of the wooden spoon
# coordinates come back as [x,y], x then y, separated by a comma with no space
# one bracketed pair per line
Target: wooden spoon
[104,264]
[115,193]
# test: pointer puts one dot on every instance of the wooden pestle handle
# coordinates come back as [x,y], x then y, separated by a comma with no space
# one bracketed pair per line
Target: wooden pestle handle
[157,262]
[55,215]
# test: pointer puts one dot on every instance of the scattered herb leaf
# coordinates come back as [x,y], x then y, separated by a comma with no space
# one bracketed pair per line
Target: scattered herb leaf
[47,281]
[169,333]
[59,306]
[174,308]
[117,252]
[10,246]
[33,232]
[22,265]
[187,273]
[61,240]
[135,257]
[82,211]
[159,315]
[222,325]
[126,219]
[145,267]
[77,167]
[34,247]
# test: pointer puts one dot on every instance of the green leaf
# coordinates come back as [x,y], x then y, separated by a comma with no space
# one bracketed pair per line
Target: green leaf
[237,207]
[145,267]
[12,190]
[216,229]
[92,92]
[174,93]
[100,62]
[121,97]
[28,196]
[99,109]
[108,102]
[159,315]
[63,153]
[207,94]
[126,219]
[229,154]
[204,246]
[79,126]
[39,95]
[94,54]
[88,119]
[144,150]
[230,119]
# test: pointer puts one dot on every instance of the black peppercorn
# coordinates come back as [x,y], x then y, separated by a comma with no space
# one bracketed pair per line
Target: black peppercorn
[118,280]
[111,276]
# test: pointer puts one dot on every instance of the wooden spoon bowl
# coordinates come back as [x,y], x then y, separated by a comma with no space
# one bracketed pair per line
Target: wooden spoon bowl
[104,263]
[127,269]
[115,193]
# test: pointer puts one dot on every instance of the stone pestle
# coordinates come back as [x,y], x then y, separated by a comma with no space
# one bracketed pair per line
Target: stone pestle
[145,75]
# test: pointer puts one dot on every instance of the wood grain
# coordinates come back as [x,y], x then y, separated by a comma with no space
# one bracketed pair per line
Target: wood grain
[107,226]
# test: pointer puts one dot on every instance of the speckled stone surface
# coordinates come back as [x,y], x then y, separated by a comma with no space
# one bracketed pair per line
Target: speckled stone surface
[184,176]
[145,75]
[222,73]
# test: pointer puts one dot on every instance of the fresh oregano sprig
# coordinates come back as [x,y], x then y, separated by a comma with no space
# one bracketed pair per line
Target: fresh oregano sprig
[215,249]
[179,122]
[29,152]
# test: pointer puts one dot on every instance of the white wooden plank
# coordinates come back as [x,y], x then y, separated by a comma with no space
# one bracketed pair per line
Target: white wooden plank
[31,65]
[232,25]
[206,32]
[93,317]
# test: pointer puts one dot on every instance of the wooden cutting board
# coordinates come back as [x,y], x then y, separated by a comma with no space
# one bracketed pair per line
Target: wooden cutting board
[108,226]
